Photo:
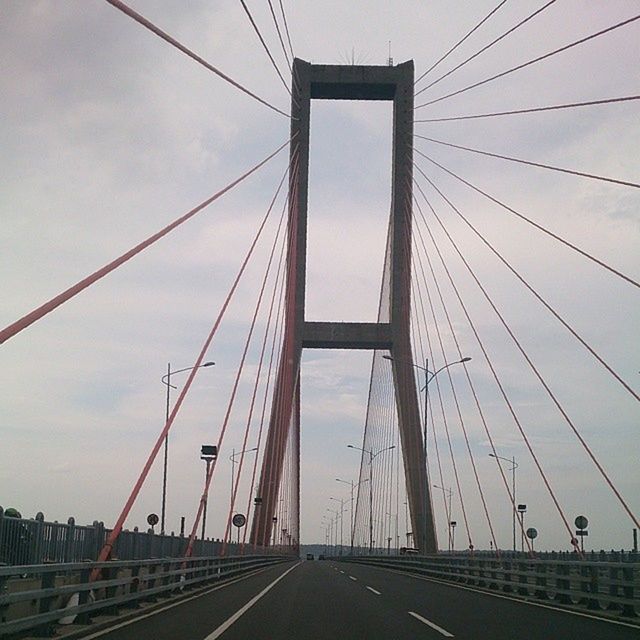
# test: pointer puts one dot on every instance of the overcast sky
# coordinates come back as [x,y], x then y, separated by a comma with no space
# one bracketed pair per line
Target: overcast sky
[108,134]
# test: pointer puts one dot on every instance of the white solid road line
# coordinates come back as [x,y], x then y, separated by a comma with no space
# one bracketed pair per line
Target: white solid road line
[229,621]
[374,591]
[352,578]
[417,616]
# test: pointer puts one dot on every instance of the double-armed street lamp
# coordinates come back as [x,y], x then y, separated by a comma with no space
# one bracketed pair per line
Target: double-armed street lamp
[428,377]
[371,458]
[166,380]
[514,466]
[353,486]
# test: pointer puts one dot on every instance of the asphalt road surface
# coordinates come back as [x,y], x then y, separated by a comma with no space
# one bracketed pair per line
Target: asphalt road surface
[332,600]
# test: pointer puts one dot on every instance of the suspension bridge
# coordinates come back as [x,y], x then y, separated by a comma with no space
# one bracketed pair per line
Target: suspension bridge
[501,396]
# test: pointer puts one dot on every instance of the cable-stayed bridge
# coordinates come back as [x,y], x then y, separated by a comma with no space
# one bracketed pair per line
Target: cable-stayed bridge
[454,383]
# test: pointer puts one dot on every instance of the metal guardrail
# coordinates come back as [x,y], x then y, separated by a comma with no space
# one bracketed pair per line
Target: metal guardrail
[36,541]
[37,597]
[602,586]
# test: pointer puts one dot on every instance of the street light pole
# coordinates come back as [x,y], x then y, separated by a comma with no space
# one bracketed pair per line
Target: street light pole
[353,486]
[232,457]
[449,493]
[208,453]
[341,501]
[166,455]
[335,534]
[514,466]
[428,377]
[204,514]
[166,380]
[371,457]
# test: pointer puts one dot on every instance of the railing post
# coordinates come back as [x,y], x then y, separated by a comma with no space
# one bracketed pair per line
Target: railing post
[594,586]
[614,589]
[111,573]
[507,576]
[46,629]
[628,609]
[494,565]
[541,580]
[69,543]
[563,582]
[134,587]
[83,597]
[3,579]
[135,552]
[151,581]
[37,541]
[523,578]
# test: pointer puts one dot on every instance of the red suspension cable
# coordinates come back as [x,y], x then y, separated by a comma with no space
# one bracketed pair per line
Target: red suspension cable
[534,61]
[118,4]
[55,302]
[582,174]
[563,241]
[225,423]
[536,372]
[257,380]
[115,532]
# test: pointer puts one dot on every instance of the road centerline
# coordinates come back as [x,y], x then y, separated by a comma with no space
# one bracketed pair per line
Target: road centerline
[374,591]
[433,625]
[353,578]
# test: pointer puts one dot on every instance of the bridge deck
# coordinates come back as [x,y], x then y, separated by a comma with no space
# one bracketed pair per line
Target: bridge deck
[317,600]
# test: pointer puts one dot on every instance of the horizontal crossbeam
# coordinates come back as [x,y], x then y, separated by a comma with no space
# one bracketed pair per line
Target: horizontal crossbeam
[346,335]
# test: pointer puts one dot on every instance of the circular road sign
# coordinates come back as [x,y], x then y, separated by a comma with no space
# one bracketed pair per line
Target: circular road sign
[153,519]
[532,533]
[239,520]
[581,522]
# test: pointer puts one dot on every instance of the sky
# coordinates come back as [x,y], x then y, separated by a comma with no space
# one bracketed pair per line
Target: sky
[108,134]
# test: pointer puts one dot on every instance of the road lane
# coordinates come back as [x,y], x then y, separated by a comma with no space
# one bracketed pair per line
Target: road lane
[315,602]
[471,614]
[318,600]
[196,617]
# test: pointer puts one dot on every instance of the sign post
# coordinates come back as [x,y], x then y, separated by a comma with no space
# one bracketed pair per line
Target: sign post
[581,523]
[239,521]
[532,534]
[152,520]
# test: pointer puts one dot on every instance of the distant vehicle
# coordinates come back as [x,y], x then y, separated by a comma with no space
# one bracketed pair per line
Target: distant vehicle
[407,551]
[321,557]
[309,556]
